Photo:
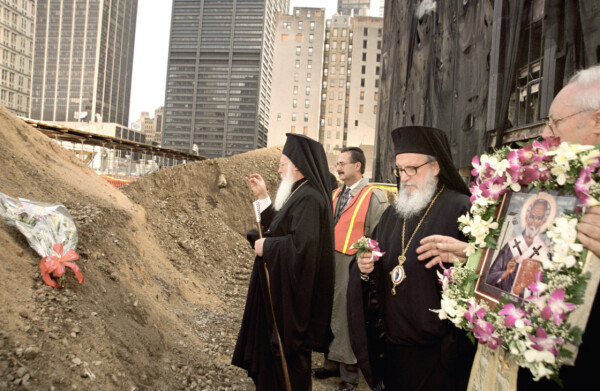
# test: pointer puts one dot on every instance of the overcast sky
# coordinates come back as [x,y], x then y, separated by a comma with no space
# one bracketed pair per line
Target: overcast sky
[152,47]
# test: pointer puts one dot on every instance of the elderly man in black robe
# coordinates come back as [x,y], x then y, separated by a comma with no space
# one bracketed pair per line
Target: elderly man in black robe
[399,342]
[289,309]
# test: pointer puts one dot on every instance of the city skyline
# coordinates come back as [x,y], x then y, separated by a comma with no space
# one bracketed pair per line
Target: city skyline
[151,52]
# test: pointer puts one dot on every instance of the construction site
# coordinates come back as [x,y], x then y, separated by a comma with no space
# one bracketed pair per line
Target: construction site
[165,265]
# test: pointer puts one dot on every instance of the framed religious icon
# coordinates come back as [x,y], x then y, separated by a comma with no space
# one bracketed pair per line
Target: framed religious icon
[522,246]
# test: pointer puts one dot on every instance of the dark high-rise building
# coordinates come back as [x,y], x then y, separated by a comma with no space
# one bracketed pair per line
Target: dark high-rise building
[345,7]
[219,75]
[83,58]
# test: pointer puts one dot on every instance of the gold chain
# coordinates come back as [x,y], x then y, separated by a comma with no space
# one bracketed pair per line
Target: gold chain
[298,188]
[404,249]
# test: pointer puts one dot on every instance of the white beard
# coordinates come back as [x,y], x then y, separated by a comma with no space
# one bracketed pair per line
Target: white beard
[408,203]
[284,190]
[531,232]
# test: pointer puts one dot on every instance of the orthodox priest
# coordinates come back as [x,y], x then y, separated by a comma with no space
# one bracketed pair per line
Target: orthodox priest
[399,342]
[288,308]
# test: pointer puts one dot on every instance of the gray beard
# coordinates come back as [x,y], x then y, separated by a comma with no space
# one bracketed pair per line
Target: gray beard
[409,204]
[284,190]
[531,231]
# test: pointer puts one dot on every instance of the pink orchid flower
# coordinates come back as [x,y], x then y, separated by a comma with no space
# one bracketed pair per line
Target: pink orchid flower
[557,308]
[543,343]
[513,314]
[474,313]
[54,265]
[446,275]
[375,250]
[484,332]
[494,188]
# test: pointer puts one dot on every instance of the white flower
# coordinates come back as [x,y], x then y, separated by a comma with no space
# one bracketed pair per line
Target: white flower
[448,310]
[532,355]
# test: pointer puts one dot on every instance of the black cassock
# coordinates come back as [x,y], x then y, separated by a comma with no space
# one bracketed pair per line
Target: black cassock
[299,257]
[404,342]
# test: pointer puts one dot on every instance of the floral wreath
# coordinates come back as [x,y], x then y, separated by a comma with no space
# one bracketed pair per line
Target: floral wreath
[535,333]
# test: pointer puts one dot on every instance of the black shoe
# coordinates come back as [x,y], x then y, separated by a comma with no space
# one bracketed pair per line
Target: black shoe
[345,386]
[322,373]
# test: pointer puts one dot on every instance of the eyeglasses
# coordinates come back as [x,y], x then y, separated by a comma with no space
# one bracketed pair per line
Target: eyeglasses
[408,170]
[342,164]
[551,122]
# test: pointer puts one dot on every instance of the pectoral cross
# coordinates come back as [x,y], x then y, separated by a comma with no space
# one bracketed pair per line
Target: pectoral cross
[517,246]
[536,250]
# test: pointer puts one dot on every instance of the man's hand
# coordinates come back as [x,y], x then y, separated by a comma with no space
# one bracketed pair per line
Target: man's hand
[257,185]
[510,268]
[589,230]
[365,262]
[258,246]
[442,249]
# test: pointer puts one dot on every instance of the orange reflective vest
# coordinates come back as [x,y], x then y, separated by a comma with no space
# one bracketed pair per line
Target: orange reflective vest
[351,225]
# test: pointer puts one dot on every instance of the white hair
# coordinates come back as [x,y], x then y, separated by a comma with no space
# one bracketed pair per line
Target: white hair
[285,188]
[409,204]
[588,81]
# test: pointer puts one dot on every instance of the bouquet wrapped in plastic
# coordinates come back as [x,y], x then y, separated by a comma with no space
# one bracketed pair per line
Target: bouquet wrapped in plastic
[49,230]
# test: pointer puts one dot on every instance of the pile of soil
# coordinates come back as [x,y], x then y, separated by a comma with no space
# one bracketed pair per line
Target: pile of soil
[166,267]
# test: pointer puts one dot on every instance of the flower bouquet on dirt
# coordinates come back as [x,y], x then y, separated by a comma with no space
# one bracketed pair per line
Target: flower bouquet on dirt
[526,271]
[50,231]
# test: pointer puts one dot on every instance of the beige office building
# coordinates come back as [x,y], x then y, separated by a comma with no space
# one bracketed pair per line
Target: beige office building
[351,76]
[17,21]
[297,75]
[150,126]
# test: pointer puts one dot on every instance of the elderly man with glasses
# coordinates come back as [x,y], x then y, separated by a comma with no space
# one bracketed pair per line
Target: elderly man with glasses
[574,116]
[398,341]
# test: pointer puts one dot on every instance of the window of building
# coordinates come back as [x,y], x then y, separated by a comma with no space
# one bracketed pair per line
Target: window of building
[375,109]
[325,72]
[335,32]
[305,117]
[278,116]
[362,95]
[339,108]
[332,71]
[342,57]
[376,96]
[341,83]
[331,95]
[285,25]
[295,103]
[363,69]
[362,82]
[295,76]
[341,70]
[361,108]
[307,90]
[293,116]
[340,95]
[338,122]
[324,83]
[377,70]
[331,108]
[309,64]
[310,51]
[297,12]
[312,25]
[297,63]
[329,121]
[378,57]
[297,50]
[300,25]
[324,97]
[344,32]
[379,45]
[364,43]
[307,103]
[293,129]
[333,57]
[334,45]
[355,122]
[308,13]
[365,31]
[285,37]
[329,133]
[343,43]
[379,32]
[376,83]
[305,130]
[308,77]
[295,90]
[364,56]
[311,38]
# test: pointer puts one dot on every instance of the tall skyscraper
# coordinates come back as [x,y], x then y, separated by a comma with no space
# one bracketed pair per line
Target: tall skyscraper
[352,7]
[219,75]
[351,78]
[296,96]
[16,44]
[83,60]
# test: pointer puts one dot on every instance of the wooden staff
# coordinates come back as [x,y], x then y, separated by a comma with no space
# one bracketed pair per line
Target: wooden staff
[286,374]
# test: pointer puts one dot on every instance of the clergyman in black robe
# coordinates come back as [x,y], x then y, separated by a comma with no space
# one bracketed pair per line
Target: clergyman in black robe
[298,253]
[399,342]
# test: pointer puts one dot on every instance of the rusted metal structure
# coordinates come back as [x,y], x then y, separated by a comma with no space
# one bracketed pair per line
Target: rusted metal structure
[485,71]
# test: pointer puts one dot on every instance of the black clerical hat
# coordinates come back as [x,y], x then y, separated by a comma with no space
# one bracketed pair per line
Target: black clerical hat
[309,158]
[433,142]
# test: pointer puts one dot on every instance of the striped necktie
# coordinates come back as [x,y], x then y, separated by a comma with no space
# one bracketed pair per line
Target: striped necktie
[344,198]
